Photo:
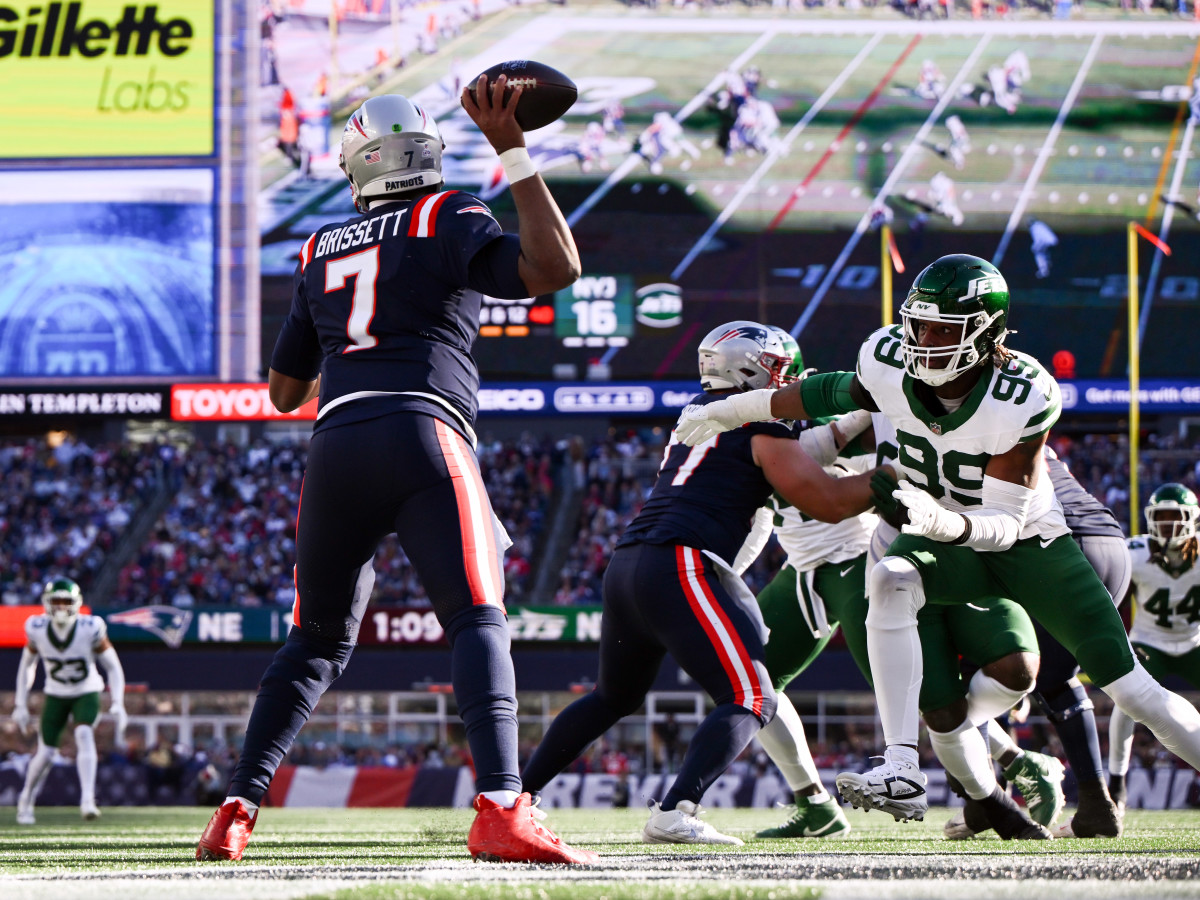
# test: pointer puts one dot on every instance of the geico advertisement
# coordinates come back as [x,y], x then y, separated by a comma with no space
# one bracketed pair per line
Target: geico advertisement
[126,79]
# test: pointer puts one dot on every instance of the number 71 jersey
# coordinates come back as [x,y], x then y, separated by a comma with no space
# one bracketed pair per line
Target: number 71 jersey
[947,454]
[69,661]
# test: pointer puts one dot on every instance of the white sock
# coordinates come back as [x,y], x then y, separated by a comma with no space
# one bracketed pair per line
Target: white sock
[85,763]
[507,799]
[988,698]
[894,647]
[35,774]
[250,807]
[964,755]
[1120,742]
[1172,719]
[900,755]
[783,739]
[999,741]
[821,796]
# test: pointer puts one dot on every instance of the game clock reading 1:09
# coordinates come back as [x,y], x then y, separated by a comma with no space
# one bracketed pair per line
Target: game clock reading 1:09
[596,311]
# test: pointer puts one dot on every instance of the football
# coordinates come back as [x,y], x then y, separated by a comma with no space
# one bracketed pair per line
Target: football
[547,94]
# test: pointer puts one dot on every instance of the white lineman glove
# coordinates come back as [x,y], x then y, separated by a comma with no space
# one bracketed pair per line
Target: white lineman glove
[702,423]
[120,722]
[927,517]
[21,717]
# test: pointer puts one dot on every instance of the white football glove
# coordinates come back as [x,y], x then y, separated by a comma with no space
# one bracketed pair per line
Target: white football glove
[927,517]
[702,423]
[20,715]
[120,722]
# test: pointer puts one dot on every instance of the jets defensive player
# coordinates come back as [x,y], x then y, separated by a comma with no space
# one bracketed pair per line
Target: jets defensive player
[971,418]
[1166,621]
[69,645]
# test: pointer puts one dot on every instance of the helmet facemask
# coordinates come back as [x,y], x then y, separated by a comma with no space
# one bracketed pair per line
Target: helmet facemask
[1171,526]
[977,342]
[62,601]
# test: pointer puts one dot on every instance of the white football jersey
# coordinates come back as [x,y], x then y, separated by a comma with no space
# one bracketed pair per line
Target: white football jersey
[1166,609]
[946,455]
[809,542]
[70,661]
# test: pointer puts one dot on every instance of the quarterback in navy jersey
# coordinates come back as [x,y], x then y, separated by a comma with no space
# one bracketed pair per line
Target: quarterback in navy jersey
[669,587]
[385,309]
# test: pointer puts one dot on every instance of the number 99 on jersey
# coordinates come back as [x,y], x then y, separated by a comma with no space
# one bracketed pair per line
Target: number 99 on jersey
[596,311]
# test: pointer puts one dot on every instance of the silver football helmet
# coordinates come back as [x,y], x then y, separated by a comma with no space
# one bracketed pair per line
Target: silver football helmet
[743,356]
[390,146]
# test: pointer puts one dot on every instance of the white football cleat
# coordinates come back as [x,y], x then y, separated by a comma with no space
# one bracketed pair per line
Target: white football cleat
[682,825]
[957,829]
[25,817]
[894,788]
[90,811]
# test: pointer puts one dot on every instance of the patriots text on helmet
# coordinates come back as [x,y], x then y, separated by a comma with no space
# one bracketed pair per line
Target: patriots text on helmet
[63,29]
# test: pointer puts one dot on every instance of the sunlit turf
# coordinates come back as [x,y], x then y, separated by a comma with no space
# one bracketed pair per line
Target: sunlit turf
[128,839]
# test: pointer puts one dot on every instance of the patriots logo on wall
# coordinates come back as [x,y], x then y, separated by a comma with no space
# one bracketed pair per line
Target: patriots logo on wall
[165,622]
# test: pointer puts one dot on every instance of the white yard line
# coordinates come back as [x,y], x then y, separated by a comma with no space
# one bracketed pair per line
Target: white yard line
[631,161]
[1046,152]
[913,148]
[1185,152]
[780,149]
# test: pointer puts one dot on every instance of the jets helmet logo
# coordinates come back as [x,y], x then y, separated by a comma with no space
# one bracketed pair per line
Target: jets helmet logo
[986,285]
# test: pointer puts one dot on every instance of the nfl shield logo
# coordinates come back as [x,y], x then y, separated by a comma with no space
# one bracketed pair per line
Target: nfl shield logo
[935,428]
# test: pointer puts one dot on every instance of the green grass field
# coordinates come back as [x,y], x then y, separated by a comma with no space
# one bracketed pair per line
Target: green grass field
[135,852]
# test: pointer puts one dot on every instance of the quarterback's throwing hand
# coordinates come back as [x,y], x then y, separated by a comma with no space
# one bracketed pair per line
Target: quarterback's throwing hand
[927,517]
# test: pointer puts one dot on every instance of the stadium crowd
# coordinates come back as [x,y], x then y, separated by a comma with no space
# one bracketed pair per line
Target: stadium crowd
[227,536]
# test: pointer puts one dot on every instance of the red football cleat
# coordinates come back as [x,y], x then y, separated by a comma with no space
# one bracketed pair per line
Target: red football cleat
[515,835]
[228,832]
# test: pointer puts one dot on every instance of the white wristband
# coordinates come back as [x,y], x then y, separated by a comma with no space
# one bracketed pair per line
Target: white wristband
[517,164]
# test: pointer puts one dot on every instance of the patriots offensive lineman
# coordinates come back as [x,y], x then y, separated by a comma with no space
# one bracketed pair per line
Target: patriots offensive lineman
[1166,622]
[669,587]
[971,417]
[69,645]
[385,309]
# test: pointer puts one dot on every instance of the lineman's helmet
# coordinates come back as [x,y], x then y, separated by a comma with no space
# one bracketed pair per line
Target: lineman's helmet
[796,370]
[954,290]
[62,599]
[743,356]
[390,146]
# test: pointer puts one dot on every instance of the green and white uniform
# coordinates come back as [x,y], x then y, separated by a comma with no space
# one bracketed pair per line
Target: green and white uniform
[73,681]
[820,587]
[1165,635]
[1044,572]
[981,632]
[1166,619]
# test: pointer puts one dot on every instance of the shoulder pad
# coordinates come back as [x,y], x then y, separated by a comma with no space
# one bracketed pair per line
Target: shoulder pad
[879,353]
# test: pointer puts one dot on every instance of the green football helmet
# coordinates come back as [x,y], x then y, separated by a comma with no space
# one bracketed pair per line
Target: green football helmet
[796,371]
[954,290]
[1172,514]
[62,600]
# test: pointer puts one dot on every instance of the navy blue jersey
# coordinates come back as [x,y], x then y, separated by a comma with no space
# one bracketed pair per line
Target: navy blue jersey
[386,308]
[1085,514]
[706,496]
